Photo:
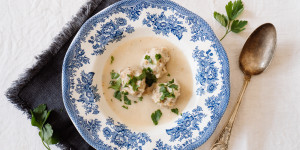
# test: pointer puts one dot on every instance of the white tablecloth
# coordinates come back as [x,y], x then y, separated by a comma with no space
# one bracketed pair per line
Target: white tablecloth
[269,116]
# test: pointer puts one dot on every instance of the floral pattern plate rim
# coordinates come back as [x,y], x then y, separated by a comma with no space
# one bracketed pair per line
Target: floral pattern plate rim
[123,21]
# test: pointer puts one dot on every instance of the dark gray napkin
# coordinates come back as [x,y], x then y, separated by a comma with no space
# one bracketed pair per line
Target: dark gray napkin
[41,84]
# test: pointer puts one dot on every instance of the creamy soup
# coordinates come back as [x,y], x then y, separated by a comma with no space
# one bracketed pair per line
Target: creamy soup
[130,54]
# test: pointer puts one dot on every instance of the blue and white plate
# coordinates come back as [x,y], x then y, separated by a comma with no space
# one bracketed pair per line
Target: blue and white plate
[126,20]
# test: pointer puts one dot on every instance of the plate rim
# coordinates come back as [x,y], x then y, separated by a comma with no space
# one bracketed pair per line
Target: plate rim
[65,83]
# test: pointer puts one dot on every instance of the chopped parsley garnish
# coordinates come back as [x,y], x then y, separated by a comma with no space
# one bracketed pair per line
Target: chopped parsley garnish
[118,95]
[114,75]
[157,56]
[168,75]
[147,57]
[175,110]
[124,93]
[133,82]
[155,116]
[141,98]
[150,77]
[173,86]
[127,101]
[165,92]
[142,76]
[172,81]
[116,85]
[112,58]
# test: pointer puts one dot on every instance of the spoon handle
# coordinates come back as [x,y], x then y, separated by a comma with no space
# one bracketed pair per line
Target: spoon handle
[222,141]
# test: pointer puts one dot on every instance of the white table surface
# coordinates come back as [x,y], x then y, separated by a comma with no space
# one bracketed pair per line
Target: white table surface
[269,116]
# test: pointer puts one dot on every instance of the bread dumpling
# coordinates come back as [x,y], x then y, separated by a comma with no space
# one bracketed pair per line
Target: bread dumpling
[130,81]
[156,59]
[166,94]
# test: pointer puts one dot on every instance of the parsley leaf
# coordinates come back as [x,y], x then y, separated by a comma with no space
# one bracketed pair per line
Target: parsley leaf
[116,85]
[173,86]
[125,93]
[127,101]
[237,26]
[46,135]
[141,98]
[125,107]
[147,57]
[114,75]
[38,118]
[175,110]
[170,82]
[155,116]
[228,8]
[142,76]
[157,56]
[221,18]
[164,90]
[168,75]
[233,10]
[150,77]
[133,82]
[118,95]
[112,58]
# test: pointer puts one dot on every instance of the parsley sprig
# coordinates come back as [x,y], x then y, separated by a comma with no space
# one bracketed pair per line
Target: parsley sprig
[233,10]
[39,116]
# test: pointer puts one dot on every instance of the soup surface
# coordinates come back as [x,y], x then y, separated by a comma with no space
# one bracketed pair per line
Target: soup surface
[130,54]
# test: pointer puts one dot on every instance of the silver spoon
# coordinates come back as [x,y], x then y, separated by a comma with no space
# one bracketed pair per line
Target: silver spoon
[255,57]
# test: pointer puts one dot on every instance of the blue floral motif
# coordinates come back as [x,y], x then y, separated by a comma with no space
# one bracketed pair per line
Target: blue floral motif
[88,93]
[121,136]
[107,132]
[79,59]
[213,104]
[161,146]
[207,72]
[211,87]
[133,13]
[129,29]
[92,125]
[112,31]
[186,125]
[164,25]
[199,30]
[76,62]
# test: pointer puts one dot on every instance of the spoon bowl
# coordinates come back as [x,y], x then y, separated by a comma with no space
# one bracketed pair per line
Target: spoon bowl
[258,50]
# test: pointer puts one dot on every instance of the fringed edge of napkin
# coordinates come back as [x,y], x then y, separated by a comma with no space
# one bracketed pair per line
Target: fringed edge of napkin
[69,30]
